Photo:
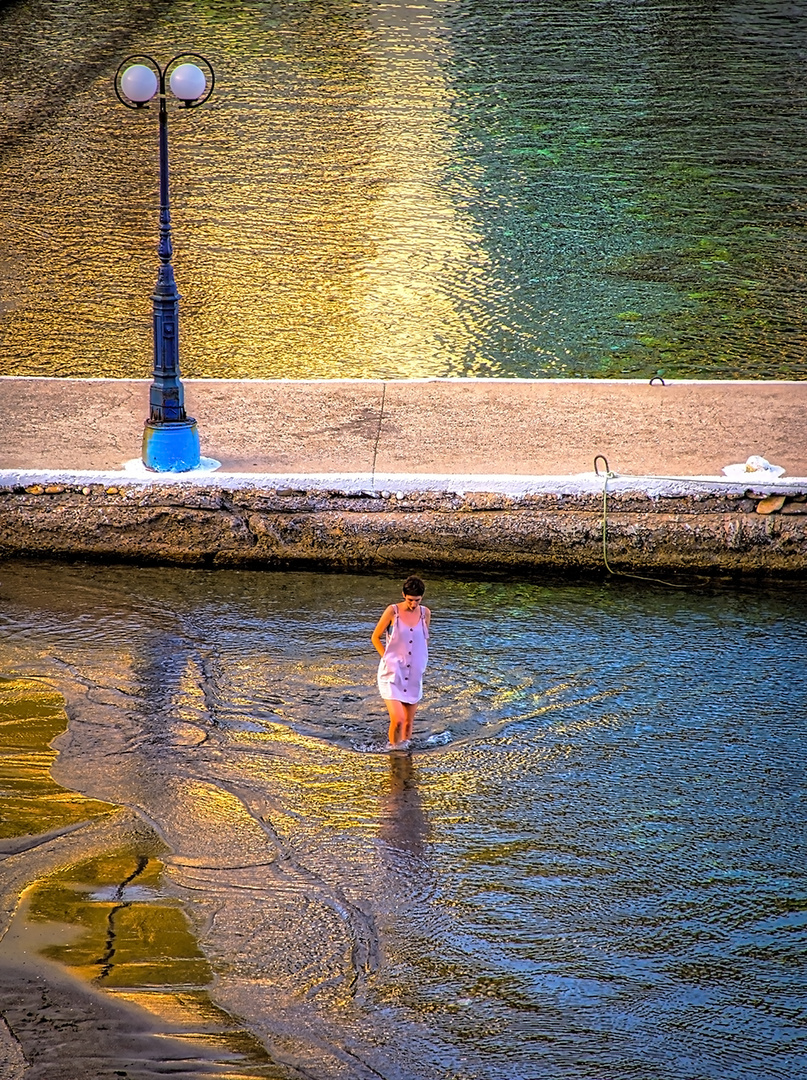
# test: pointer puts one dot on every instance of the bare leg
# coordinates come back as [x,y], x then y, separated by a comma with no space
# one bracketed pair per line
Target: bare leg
[410,711]
[401,716]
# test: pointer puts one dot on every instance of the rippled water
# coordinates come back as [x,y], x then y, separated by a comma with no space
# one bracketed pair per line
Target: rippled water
[450,188]
[592,864]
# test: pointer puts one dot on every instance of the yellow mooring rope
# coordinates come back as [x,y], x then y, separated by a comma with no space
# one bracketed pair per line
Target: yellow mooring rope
[608,475]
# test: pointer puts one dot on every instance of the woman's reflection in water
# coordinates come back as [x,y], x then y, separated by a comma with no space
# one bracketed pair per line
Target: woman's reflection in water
[404,826]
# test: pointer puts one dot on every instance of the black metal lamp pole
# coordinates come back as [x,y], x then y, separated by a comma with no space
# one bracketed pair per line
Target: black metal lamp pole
[170,437]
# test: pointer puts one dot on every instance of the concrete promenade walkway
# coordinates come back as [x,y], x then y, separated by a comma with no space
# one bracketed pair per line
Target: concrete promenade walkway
[456,427]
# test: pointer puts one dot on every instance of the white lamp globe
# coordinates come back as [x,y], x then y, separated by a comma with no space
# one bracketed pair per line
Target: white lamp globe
[139,83]
[188,82]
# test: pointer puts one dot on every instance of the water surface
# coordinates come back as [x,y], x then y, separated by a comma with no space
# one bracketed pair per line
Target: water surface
[448,188]
[591,865]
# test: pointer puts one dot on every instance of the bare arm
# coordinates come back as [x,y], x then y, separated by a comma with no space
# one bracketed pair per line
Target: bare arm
[381,626]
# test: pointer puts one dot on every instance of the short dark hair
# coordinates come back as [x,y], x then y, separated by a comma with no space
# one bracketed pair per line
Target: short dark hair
[413,586]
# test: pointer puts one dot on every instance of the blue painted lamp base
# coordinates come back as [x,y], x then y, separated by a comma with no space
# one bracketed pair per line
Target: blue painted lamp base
[172,446]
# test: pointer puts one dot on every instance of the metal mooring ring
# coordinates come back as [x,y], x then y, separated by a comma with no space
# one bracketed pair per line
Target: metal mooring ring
[601,457]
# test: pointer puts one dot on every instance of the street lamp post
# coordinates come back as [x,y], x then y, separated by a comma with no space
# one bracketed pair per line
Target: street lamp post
[170,437]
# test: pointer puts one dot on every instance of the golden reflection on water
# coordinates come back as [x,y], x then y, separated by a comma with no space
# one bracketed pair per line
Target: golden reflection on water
[350,228]
[321,223]
[425,243]
[31,716]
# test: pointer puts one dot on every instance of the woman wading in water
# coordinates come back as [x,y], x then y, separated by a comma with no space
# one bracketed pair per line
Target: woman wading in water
[403,659]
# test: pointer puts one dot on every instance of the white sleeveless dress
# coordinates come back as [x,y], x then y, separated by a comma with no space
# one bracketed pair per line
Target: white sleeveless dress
[400,670]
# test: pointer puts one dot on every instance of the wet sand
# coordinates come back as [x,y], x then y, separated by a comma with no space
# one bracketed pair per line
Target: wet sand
[57,1028]
[53,1024]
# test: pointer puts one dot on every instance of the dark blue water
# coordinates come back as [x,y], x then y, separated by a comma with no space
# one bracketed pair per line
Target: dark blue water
[474,187]
[591,865]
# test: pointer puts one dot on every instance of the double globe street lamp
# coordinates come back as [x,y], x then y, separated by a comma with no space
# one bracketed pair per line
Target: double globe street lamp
[170,437]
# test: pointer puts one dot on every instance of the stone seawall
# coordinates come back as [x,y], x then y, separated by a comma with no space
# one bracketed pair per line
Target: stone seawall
[744,534]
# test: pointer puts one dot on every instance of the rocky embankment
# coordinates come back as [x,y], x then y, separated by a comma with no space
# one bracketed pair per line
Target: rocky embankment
[740,533]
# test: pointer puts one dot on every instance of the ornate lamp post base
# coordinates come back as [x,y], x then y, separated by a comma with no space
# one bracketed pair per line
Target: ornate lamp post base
[172,446]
